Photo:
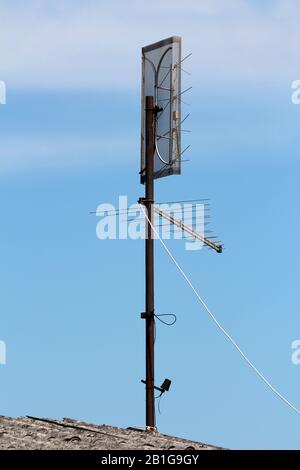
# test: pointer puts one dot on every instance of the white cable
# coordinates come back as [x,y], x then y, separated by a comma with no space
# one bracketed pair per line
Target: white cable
[228,336]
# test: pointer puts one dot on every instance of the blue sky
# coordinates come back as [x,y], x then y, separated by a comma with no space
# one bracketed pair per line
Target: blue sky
[69,134]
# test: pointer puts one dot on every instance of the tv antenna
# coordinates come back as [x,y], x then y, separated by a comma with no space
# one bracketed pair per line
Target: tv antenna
[161,155]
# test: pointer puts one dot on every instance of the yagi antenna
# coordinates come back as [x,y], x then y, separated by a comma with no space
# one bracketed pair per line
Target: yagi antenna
[185,228]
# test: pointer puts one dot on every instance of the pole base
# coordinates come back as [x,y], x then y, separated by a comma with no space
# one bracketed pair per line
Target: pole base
[151,429]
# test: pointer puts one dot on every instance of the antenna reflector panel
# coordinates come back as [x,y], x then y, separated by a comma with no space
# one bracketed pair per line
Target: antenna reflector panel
[161,78]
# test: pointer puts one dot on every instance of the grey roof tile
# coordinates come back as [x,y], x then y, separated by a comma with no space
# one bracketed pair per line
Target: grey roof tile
[44,434]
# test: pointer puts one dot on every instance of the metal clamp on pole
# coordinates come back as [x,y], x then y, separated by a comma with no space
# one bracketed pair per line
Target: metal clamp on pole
[145,315]
[165,386]
[143,201]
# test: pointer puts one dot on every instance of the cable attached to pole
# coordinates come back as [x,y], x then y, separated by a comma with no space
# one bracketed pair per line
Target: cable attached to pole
[221,328]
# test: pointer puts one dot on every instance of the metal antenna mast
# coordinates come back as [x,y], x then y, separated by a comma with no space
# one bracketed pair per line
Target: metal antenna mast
[150,320]
[160,156]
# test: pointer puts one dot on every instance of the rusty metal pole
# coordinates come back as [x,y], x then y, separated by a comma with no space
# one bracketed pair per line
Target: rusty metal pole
[150,321]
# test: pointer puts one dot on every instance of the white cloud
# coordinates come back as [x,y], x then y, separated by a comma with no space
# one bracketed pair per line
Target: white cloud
[60,151]
[96,44]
